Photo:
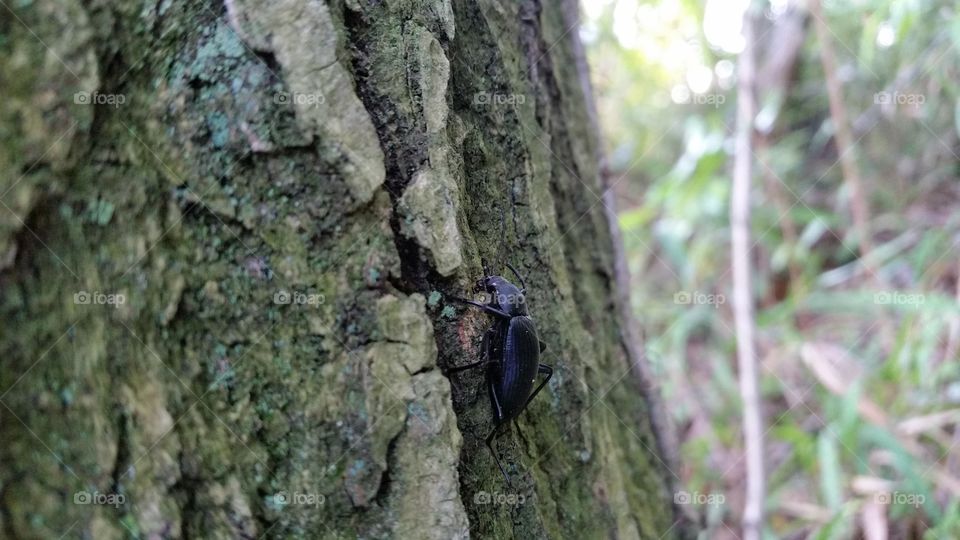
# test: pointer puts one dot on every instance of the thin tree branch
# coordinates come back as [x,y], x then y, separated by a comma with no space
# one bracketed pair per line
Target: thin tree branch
[742,295]
[843,136]
[775,69]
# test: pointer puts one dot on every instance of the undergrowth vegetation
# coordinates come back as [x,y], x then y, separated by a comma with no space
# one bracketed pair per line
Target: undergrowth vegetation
[858,329]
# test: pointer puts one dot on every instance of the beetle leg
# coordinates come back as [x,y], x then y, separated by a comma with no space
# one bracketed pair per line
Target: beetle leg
[543,369]
[485,350]
[478,363]
[490,439]
[496,403]
[543,346]
[489,309]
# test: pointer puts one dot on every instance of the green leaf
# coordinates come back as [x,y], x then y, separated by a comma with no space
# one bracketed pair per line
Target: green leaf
[830,474]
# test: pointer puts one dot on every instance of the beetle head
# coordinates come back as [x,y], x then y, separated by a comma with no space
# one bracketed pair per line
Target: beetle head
[504,295]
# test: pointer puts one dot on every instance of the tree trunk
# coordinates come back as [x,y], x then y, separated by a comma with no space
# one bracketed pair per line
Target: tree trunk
[229,237]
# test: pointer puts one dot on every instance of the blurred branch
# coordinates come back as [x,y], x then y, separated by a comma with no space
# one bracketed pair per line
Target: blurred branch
[742,289]
[773,85]
[873,517]
[785,40]
[842,133]
[908,75]
[950,351]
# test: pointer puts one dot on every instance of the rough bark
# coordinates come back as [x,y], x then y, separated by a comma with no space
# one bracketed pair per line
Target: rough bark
[285,194]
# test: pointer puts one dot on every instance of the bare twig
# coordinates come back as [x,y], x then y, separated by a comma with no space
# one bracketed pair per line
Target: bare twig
[873,518]
[742,297]
[953,332]
[775,69]
[843,136]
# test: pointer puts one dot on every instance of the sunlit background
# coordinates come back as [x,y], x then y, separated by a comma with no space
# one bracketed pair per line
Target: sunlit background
[857,337]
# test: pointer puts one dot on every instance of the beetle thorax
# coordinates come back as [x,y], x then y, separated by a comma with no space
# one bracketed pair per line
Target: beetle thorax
[505,296]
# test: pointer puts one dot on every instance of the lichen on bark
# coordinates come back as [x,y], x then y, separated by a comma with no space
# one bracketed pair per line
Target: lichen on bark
[286,199]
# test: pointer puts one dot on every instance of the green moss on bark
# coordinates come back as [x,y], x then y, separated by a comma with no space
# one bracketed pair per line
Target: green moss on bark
[285,200]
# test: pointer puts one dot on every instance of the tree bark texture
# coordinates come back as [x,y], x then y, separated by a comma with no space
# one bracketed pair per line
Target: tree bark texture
[229,235]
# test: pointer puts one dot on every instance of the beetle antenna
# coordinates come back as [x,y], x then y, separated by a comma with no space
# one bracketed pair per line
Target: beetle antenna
[523,285]
[503,239]
[503,223]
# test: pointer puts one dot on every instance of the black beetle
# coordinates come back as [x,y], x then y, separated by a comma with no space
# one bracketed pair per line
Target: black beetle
[511,352]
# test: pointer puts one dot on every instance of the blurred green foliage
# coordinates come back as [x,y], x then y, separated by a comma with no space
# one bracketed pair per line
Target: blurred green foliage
[889,322]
